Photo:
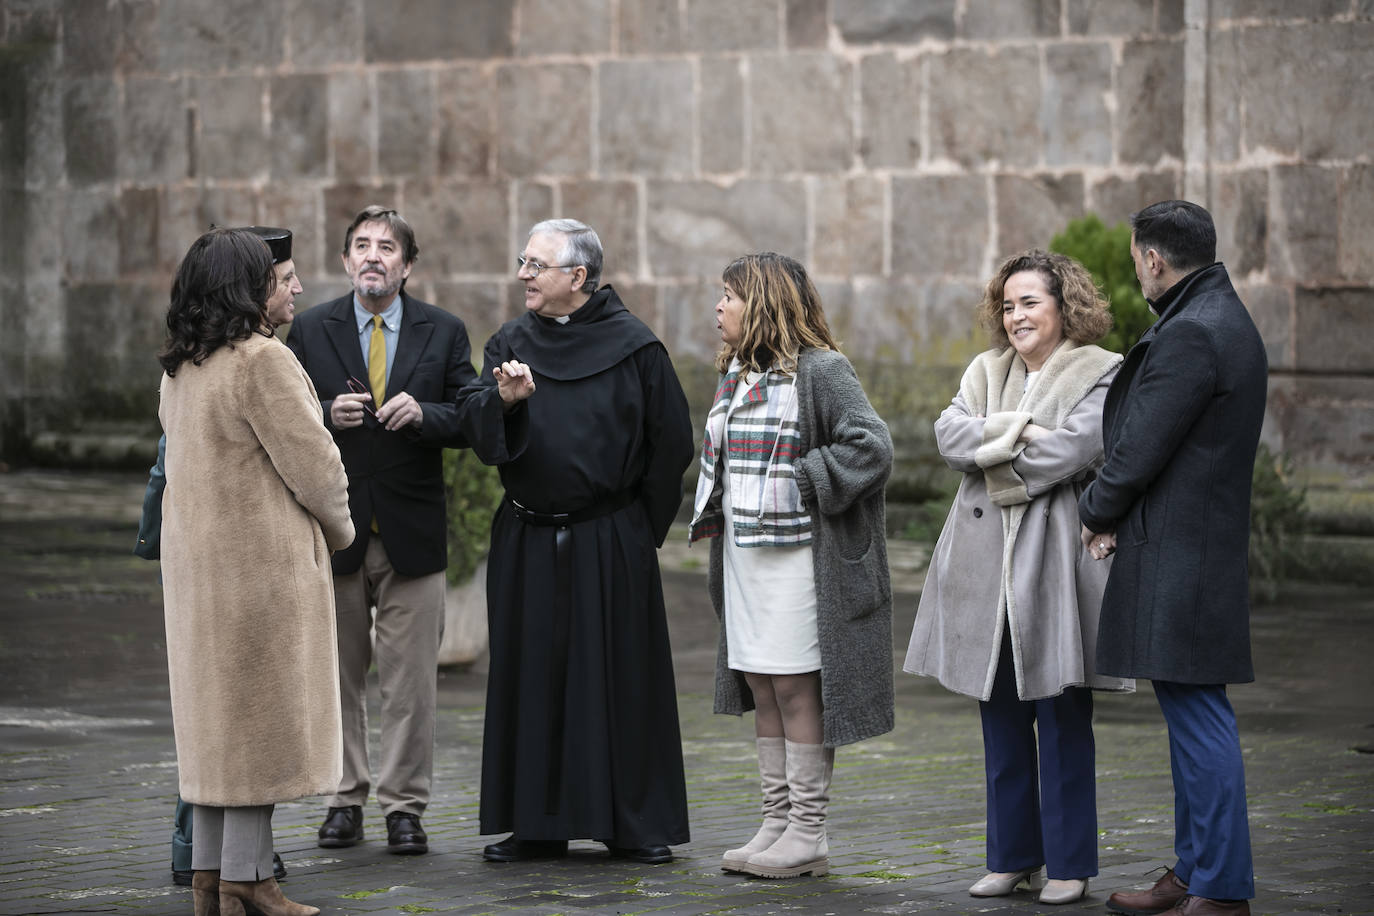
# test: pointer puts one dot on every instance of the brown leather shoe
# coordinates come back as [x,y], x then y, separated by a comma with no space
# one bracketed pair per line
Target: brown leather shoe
[1205,906]
[1166,893]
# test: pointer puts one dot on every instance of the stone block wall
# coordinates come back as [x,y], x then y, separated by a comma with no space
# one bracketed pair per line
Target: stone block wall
[900,148]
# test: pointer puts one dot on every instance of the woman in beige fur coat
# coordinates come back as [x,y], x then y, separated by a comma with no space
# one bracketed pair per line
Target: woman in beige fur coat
[1009,610]
[256,500]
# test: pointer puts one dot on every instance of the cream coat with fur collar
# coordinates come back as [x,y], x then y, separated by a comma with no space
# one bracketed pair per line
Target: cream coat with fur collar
[256,500]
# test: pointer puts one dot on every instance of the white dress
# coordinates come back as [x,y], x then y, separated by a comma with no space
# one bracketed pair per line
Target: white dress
[770,596]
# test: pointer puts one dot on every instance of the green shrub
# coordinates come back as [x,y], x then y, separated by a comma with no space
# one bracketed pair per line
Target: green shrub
[1107,255]
[1278,520]
[473,491]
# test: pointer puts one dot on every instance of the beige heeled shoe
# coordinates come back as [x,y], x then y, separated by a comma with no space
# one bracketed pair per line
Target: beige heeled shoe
[1001,883]
[264,895]
[1064,890]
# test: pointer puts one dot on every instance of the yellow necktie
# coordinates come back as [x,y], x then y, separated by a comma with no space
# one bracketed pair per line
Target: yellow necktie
[376,363]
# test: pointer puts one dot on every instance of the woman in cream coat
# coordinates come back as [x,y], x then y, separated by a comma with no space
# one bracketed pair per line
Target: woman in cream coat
[256,500]
[1009,610]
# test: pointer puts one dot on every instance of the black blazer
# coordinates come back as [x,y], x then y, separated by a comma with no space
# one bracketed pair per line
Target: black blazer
[396,475]
[1181,425]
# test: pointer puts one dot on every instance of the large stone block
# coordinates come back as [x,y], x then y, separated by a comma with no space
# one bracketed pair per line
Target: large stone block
[1114,198]
[155,130]
[187,213]
[299,206]
[1073,110]
[42,236]
[465,225]
[849,223]
[416,30]
[558,27]
[909,320]
[480,304]
[890,117]
[733,25]
[650,26]
[1356,224]
[464,97]
[406,141]
[41,99]
[223,35]
[808,23]
[896,21]
[721,115]
[97,317]
[686,318]
[1315,95]
[612,209]
[139,210]
[1271,307]
[1225,94]
[1240,210]
[90,122]
[695,228]
[940,225]
[324,34]
[533,204]
[800,113]
[300,126]
[90,36]
[994,20]
[1328,329]
[233,136]
[1111,17]
[90,236]
[1032,210]
[138,36]
[646,117]
[1276,9]
[1150,102]
[546,119]
[985,106]
[1325,423]
[1304,243]
[352,128]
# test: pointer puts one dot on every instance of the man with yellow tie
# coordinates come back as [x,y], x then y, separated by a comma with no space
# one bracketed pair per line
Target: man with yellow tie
[388,368]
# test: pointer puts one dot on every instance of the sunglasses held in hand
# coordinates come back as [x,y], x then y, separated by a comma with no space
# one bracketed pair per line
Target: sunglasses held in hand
[358,387]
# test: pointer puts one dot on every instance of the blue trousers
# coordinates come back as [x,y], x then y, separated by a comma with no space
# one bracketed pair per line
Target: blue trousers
[1057,825]
[1211,828]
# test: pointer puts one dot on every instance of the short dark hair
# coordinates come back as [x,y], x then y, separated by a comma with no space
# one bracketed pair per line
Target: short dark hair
[394,221]
[1180,230]
[219,296]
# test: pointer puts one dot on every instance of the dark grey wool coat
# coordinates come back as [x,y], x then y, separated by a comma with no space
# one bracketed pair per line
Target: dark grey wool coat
[1180,426]
[846,457]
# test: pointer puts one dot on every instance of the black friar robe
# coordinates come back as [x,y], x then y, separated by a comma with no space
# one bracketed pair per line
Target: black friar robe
[581,736]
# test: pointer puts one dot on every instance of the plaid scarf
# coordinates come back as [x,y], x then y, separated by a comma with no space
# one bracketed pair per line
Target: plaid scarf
[760,439]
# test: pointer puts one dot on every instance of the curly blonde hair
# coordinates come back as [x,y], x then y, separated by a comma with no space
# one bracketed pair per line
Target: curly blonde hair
[1082,307]
[782,313]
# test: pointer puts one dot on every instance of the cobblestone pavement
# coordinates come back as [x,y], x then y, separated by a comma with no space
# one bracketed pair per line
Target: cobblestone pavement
[88,772]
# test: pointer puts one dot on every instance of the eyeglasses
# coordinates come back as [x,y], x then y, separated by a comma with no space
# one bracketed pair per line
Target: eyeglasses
[358,387]
[535,268]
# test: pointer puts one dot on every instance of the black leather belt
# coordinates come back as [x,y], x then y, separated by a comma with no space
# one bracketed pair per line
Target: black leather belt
[562,622]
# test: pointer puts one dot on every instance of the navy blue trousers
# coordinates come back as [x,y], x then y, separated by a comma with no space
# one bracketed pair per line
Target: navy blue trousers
[1211,828]
[1057,825]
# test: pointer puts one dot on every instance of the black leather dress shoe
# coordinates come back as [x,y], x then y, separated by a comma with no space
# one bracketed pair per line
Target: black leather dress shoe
[404,835]
[342,827]
[184,878]
[649,855]
[514,849]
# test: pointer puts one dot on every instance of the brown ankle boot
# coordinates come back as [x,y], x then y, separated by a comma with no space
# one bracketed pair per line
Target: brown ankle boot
[264,895]
[205,891]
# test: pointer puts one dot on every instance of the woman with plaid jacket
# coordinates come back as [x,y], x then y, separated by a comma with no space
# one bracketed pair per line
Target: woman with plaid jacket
[793,465]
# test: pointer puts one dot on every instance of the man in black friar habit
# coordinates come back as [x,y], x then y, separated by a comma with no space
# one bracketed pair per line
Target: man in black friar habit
[582,737]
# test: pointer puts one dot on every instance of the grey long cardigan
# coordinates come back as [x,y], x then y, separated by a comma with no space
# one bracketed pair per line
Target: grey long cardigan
[843,469]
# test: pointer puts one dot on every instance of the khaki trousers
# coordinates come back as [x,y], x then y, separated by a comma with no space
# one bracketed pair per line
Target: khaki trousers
[236,841]
[409,624]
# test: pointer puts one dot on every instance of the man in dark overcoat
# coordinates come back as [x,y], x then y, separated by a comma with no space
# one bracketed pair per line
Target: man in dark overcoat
[1181,425]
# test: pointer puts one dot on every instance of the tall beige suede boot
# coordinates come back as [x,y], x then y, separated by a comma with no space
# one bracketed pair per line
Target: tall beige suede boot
[773,779]
[802,849]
